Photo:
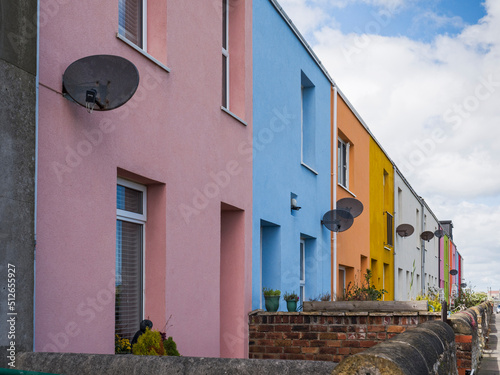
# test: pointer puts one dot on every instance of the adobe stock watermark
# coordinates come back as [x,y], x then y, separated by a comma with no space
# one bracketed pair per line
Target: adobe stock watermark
[88,311]
[91,139]
[221,179]
[454,116]
[362,40]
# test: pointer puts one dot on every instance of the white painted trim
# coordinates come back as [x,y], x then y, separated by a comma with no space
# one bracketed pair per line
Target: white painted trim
[142,188]
[308,167]
[346,189]
[334,188]
[302,282]
[243,122]
[142,52]
[132,217]
[225,52]
[145,25]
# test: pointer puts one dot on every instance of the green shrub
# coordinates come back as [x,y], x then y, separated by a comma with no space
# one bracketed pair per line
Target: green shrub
[149,343]
[170,347]
[271,292]
[363,292]
[432,297]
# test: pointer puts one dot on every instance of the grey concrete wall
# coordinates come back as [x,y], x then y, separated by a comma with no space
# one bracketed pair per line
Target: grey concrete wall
[426,349]
[17,169]
[91,364]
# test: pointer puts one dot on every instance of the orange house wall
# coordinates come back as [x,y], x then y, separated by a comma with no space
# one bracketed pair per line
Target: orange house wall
[355,242]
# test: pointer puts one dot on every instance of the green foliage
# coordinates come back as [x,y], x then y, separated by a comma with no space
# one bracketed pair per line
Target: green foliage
[170,347]
[290,296]
[271,292]
[122,345]
[363,292]
[468,298]
[149,343]
[432,297]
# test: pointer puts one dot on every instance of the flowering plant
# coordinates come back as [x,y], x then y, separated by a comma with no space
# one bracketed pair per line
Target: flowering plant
[122,345]
[290,296]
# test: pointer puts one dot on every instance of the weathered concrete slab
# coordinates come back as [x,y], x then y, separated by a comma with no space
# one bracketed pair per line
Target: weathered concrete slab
[91,364]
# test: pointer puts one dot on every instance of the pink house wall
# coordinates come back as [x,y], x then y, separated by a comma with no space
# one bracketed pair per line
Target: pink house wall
[173,137]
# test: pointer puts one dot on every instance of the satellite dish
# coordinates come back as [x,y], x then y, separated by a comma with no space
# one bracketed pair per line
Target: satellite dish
[100,82]
[351,205]
[453,272]
[439,233]
[427,235]
[405,230]
[337,220]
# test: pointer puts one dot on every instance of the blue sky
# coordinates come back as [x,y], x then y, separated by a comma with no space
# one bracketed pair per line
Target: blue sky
[419,20]
[414,67]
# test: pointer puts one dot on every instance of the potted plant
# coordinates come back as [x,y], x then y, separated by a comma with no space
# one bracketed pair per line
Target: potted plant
[272,299]
[291,301]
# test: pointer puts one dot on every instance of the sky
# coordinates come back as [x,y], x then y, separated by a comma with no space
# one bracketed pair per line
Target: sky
[424,75]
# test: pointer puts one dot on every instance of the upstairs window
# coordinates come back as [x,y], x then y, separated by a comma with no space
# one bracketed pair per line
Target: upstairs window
[308,122]
[132,21]
[343,163]
[389,237]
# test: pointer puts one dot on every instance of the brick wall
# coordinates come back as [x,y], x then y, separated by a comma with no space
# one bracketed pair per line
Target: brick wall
[324,336]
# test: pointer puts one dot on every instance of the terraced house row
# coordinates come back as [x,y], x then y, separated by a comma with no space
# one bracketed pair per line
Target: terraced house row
[208,182]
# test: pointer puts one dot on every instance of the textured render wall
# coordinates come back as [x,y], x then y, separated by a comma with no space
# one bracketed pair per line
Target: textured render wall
[381,200]
[277,162]
[325,336]
[355,242]
[18,37]
[173,136]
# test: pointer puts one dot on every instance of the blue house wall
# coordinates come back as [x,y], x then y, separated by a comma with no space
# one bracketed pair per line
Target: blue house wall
[291,160]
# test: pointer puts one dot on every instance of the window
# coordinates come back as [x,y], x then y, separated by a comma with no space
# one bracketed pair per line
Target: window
[130,222]
[308,119]
[225,54]
[389,237]
[302,270]
[341,287]
[132,21]
[343,163]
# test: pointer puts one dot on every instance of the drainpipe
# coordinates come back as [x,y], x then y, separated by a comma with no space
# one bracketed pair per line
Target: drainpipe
[422,247]
[396,217]
[37,82]
[333,203]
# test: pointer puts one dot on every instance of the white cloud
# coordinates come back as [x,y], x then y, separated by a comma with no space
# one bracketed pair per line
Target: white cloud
[434,108]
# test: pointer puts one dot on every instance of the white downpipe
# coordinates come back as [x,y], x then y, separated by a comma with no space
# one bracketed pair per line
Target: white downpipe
[335,168]
[37,82]
[394,225]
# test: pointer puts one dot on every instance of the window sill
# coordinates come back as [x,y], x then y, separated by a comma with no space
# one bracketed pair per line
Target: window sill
[346,189]
[308,167]
[387,247]
[239,119]
[142,52]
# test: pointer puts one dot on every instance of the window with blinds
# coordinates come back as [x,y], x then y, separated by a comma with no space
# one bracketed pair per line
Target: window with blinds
[131,218]
[131,21]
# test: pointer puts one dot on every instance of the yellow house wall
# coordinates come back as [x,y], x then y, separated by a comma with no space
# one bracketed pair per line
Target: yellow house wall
[381,201]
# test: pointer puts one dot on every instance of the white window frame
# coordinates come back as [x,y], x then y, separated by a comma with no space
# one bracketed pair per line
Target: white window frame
[225,51]
[136,218]
[347,146]
[302,270]
[121,31]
